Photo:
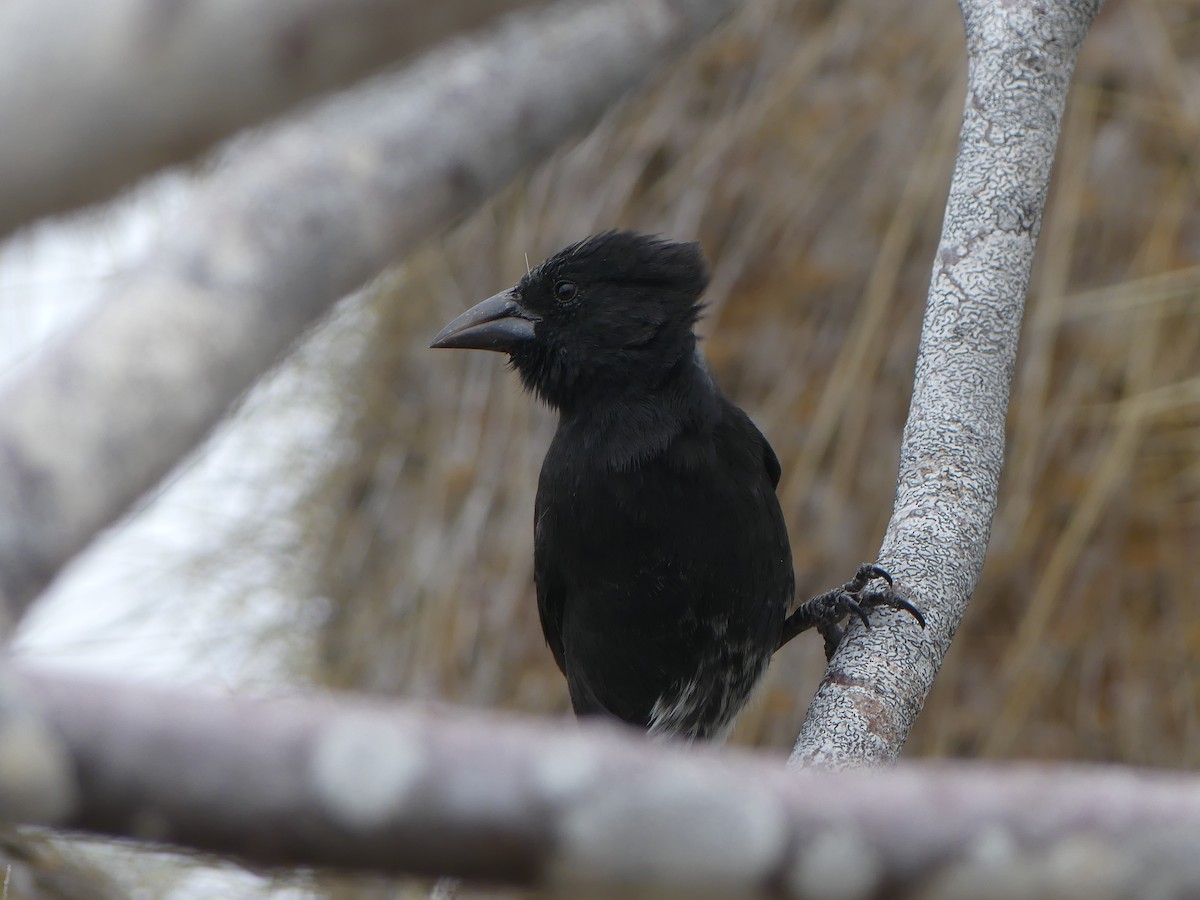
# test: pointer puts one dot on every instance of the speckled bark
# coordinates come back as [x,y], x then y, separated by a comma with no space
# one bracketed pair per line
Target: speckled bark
[1021,54]
[300,219]
[105,92]
[589,811]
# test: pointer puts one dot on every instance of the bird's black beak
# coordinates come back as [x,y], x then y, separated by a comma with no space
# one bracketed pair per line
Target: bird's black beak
[498,323]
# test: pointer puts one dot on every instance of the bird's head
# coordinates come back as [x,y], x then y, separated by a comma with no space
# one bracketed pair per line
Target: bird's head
[603,317]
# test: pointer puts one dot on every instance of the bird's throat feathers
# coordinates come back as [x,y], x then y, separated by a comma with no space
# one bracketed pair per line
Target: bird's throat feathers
[571,377]
[623,432]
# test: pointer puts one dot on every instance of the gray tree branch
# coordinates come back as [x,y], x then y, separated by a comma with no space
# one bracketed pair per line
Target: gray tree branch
[106,92]
[584,809]
[300,219]
[1021,55]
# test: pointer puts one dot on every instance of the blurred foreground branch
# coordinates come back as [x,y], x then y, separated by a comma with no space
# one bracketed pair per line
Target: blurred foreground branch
[1020,59]
[37,867]
[357,784]
[106,92]
[300,219]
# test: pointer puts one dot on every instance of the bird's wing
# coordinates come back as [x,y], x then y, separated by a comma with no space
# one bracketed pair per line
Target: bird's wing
[744,424]
[584,698]
[778,581]
[770,460]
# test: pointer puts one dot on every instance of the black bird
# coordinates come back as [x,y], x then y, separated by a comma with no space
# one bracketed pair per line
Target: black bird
[661,557]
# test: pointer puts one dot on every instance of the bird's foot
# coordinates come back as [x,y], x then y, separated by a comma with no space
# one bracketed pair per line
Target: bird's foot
[857,599]
[825,612]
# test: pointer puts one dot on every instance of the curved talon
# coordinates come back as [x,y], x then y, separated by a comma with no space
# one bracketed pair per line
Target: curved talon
[853,607]
[867,571]
[910,608]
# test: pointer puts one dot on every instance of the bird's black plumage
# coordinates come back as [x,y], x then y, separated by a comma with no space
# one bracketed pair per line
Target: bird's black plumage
[661,556]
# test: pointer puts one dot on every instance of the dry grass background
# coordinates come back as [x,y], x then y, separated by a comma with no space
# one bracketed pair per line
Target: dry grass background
[809,147]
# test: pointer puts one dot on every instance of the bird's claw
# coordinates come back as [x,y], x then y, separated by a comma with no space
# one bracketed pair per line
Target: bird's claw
[866,572]
[826,611]
[895,601]
[854,608]
[858,600]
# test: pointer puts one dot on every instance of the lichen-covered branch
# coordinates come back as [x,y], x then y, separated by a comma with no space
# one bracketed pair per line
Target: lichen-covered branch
[299,219]
[1021,55]
[586,809]
[105,92]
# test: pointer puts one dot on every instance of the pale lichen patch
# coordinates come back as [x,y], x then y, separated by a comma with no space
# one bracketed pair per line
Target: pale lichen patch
[363,770]
[680,835]
[836,865]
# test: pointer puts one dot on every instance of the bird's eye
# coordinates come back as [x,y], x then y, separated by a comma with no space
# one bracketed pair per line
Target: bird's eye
[565,291]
